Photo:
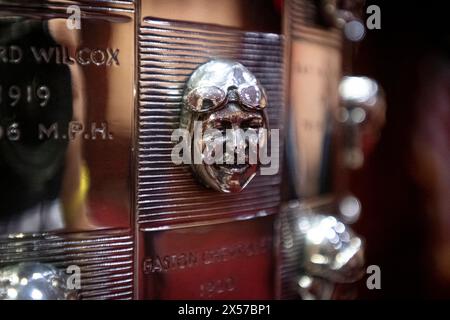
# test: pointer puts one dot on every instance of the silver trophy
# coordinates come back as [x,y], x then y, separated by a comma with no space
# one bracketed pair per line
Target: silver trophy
[90,95]
[198,223]
[140,155]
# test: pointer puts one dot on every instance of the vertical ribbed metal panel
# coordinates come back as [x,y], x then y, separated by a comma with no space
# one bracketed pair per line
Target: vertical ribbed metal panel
[169,52]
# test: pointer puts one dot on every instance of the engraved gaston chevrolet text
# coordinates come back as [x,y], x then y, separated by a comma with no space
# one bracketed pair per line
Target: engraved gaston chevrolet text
[194,258]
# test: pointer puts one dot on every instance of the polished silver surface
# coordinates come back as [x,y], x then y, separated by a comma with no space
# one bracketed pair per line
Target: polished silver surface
[35,281]
[69,94]
[362,114]
[105,259]
[66,104]
[338,13]
[225,96]
[349,208]
[123,116]
[313,67]
[320,249]
[212,83]
[169,53]
[181,223]
[332,251]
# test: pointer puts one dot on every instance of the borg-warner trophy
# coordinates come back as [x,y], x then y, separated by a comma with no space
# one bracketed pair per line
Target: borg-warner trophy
[329,119]
[141,156]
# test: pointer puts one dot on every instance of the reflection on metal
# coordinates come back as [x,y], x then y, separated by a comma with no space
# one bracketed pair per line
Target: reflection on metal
[213,234]
[35,281]
[62,123]
[66,112]
[168,194]
[349,209]
[79,175]
[339,13]
[320,250]
[362,114]
[314,73]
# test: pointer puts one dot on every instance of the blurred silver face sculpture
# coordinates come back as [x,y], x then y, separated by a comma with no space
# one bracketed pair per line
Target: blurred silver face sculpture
[325,249]
[225,96]
[34,281]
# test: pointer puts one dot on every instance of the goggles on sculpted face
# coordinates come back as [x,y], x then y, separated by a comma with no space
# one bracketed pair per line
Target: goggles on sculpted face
[211,98]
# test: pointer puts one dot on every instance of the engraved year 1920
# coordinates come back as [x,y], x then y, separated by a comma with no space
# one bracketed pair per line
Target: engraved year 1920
[217,287]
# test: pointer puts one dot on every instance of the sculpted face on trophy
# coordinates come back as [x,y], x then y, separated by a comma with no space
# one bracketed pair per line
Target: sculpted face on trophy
[225,102]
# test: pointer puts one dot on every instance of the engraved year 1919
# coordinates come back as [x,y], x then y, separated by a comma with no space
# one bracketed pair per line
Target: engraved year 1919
[12,95]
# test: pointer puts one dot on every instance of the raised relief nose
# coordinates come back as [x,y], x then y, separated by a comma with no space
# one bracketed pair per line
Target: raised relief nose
[232,116]
[233,95]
